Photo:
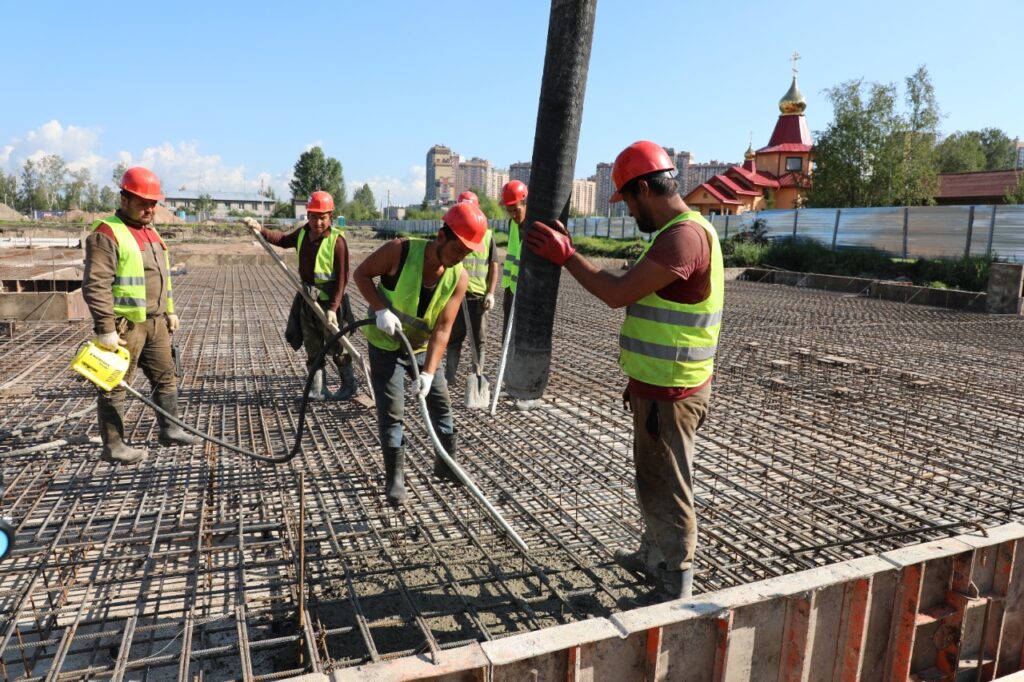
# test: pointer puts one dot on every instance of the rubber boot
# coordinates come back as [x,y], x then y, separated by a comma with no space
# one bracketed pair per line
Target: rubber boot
[348,382]
[171,433]
[318,390]
[673,585]
[441,470]
[112,434]
[394,475]
[645,560]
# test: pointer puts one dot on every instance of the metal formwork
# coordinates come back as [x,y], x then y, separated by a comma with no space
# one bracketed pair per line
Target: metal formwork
[840,427]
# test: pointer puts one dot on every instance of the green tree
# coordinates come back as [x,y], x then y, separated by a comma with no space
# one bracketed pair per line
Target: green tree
[109,199]
[913,139]
[75,191]
[1000,150]
[282,209]
[53,174]
[490,206]
[362,207]
[1016,195]
[204,205]
[8,188]
[315,171]
[31,196]
[118,172]
[960,153]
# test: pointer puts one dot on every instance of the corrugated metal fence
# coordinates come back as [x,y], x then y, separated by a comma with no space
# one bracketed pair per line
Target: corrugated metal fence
[915,232]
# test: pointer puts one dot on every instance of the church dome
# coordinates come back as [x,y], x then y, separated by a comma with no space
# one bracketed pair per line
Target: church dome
[793,101]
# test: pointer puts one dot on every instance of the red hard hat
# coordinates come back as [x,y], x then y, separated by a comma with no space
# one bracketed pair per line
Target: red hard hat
[142,182]
[320,202]
[468,196]
[468,223]
[638,159]
[513,192]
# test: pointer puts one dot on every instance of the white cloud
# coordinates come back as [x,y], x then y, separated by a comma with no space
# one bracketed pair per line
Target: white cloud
[404,191]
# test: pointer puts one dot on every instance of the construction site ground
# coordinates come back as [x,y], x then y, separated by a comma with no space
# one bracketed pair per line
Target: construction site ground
[840,427]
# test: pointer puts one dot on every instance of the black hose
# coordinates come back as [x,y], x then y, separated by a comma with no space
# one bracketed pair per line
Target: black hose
[318,363]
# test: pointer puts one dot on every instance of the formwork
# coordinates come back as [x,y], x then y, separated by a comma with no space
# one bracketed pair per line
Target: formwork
[841,429]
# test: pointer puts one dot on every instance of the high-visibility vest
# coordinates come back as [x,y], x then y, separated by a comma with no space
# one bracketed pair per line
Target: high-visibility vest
[404,300]
[323,268]
[130,276]
[664,343]
[510,272]
[477,264]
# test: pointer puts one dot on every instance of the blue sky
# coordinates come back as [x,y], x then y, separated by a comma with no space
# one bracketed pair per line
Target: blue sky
[228,94]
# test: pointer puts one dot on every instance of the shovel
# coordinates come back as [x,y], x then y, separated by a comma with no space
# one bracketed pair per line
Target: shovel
[478,389]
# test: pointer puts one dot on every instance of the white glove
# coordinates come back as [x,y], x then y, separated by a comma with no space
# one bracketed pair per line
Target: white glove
[109,341]
[423,385]
[332,320]
[252,224]
[488,301]
[173,322]
[388,322]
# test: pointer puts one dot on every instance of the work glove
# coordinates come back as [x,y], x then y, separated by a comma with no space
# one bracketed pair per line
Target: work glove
[554,245]
[109,341]
[388,322]
[423,384]
[173,322]
[488,301]
[252,224]
[332,320]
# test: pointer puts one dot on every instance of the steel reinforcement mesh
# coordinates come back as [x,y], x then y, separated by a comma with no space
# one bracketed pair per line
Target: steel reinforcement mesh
[840,426]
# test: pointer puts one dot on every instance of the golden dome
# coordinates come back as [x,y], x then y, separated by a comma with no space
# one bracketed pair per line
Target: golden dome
[749,154]
[793,101]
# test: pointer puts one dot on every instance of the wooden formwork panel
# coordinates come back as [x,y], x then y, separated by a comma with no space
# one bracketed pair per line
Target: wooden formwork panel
[948,610]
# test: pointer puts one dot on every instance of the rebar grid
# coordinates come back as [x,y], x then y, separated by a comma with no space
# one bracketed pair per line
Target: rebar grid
[839,427]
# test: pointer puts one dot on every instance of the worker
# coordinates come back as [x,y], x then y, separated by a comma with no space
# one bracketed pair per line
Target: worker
[420,292]
[127,287]
[483,274]
[673,297]
[322,261]
[513,199]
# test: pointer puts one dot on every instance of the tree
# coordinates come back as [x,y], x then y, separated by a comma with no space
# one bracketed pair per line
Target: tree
[913,139]
[363,205]
[1016,195]
[8,188]
[1000,150]
[490,206]
[204,204]
[109,199]
[960,153]
[52,180]
[119,170]
[282,209]
[315,171]
[75,191]
[30,197]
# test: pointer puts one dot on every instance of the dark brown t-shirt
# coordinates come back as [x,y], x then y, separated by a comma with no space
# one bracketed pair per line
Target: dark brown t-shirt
[307,260]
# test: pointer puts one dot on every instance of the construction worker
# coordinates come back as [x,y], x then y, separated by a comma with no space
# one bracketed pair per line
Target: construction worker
[673,297]
[420,292]
[322,255]
[513,199]
[483,273]
[127,287]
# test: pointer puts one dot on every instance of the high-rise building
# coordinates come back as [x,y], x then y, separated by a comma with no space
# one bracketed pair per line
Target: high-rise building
[584,193]
[682,160]
[699,173]
[472,174]
[604,190]
[441,165]
[520,171]
[1020,153]
[499,178]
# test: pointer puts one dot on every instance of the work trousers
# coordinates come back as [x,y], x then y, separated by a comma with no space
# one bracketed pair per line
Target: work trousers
[478,322]
[388,369]
[663,440]
[149,344]
[314,333]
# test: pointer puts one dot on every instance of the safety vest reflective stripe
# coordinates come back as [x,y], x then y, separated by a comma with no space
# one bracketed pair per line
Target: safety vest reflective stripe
[323,268]
[664,343]
[129,286]
[673,353]
[477,264]
[404,300]
[674,317]
[510,271]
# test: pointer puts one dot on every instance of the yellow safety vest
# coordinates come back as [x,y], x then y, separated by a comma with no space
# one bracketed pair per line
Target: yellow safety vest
[670,344]
[130,276]
[477,264]
[404,300]
[510,272]
[323,268]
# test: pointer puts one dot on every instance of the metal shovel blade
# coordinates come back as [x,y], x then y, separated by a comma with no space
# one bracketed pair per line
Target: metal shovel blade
[478,392]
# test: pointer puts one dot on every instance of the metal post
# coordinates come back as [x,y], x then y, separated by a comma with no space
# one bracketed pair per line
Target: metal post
[991,231]
[835,229]
[726,227]
[796,216]
[970,232]
[906,229]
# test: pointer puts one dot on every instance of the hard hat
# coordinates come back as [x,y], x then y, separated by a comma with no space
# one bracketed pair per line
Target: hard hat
[142,182]
[513,192]
[468,196]
[638,159]
[320,202]
[468,223]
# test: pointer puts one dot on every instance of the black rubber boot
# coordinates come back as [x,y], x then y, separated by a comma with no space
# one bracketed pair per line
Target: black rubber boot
[171,433]
[348,382]
[441,470]
[112,435]
[394,475]
[673,585]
